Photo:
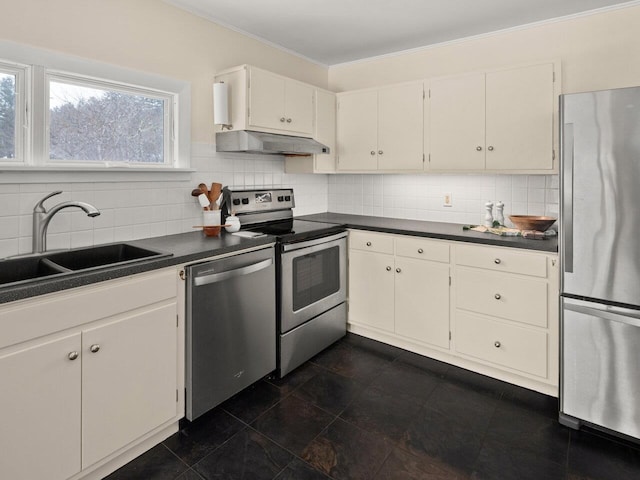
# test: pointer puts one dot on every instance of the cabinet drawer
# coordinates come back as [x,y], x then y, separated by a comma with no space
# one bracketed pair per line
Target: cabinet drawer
[502,259]
[372,242]
[422,249]
[511,346]
[502,295]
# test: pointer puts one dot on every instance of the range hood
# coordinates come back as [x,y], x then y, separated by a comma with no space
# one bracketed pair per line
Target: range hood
[248,141]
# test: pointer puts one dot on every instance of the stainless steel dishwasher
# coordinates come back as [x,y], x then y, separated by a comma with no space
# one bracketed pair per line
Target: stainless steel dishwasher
[231,327]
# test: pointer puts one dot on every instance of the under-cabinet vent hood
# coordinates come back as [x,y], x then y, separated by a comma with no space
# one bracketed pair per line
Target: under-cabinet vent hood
[247,141]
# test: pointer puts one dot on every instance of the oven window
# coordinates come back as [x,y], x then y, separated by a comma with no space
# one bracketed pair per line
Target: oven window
[315,276]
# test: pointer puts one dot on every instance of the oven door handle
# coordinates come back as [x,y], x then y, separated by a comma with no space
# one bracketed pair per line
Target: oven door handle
[288,247]
[218,277]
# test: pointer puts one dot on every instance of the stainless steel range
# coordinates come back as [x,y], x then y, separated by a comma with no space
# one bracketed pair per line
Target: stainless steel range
[311,272]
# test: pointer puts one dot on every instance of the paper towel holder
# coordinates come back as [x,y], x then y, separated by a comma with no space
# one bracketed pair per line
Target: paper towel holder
[221,105]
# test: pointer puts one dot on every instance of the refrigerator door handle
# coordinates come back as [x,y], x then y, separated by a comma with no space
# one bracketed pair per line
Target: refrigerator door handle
[567,197]
[626,316]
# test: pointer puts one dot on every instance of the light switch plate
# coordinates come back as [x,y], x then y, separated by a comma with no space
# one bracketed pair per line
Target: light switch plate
[447,200]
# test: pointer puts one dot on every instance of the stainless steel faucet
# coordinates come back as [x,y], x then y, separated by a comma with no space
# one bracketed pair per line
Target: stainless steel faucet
[42,217]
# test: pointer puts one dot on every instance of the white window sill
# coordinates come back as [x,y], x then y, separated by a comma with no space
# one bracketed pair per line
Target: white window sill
[73,174]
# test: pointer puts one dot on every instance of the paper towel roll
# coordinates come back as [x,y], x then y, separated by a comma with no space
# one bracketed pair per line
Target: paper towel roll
[221,103]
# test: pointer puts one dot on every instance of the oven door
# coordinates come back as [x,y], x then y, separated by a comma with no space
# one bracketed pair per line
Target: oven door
[313,279]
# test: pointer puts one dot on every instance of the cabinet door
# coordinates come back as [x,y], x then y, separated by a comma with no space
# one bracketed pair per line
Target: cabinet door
[40,405]
[371,289]
[457,123]
[326,130]
[520,118]
[266,100]
[358,131]
[422,301]
[129,383]
[400,129]
[298,108]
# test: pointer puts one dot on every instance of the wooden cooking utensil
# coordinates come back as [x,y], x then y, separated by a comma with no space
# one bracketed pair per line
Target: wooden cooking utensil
[214,194]
[203,188]
[196,192]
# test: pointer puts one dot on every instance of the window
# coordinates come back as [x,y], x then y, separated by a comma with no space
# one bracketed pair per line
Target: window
[60,113]
[11,102]
[92,121]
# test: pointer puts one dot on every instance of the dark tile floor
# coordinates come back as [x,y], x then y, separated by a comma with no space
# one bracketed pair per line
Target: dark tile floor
[365,410]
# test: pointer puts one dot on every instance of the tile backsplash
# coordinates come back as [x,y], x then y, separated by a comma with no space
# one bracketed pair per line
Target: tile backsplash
[140,209]
[421,197]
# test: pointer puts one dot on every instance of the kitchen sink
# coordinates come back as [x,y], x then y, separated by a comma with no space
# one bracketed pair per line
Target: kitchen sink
[15,271]
[27,268]
[103,256]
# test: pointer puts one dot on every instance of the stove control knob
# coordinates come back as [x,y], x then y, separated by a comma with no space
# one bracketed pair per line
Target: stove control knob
[281,198]
[236,201]
[287,198]
[245,201]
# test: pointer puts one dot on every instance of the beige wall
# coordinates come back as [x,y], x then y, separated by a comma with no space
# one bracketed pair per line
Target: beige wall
[597,52]
[151,36]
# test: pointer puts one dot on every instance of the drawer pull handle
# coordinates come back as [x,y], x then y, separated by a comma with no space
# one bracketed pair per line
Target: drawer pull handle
[73,355]
[94,348]
[388,269]
[420,250]
[282,119]
[497,296]
[368,244]
[398,270]
[373,152]
[497,261]
[288,120]
[496,344]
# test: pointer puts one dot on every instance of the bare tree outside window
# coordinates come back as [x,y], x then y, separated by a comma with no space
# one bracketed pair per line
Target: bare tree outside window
[7,116]
[93,124]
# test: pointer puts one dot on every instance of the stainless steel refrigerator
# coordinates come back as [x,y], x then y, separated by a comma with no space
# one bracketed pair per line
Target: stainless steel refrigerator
[600,257]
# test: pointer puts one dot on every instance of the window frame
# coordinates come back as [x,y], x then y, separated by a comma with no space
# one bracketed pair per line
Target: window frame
[35,64]
[169,99]
[21,131]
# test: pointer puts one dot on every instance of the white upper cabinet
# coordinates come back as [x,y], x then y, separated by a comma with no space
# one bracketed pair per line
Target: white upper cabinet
[266,102]
[520,109]
[498,121]
[457,121]
[280,103]
[325,133]
[381,129]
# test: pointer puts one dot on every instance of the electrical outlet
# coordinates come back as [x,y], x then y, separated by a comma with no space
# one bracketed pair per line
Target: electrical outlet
[447,200]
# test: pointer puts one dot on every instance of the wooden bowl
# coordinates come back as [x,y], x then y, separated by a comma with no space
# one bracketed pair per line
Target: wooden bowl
[532,222]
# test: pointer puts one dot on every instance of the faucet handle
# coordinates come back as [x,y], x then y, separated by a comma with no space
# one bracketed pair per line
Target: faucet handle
[40,207]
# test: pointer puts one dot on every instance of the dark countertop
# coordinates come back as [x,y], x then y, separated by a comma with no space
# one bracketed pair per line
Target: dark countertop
[186,247]
[440,230]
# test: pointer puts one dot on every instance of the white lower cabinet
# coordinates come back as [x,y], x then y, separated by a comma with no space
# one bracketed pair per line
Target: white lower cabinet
[493,310]
[397,292]
[87,373]
[40,409]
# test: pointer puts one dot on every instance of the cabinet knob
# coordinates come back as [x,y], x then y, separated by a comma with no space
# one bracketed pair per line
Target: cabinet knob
[497,261]
[398,270]
[368,244]
[490,148]
[282,119]
[496,344]
[373,152]
[388,269]
[380,152]
[94,348]
[420,250]
[497,296]
[479,148]
[73,355]
[288,120]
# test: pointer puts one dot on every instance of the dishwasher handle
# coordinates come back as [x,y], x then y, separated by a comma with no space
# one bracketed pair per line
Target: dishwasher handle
[218,277]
